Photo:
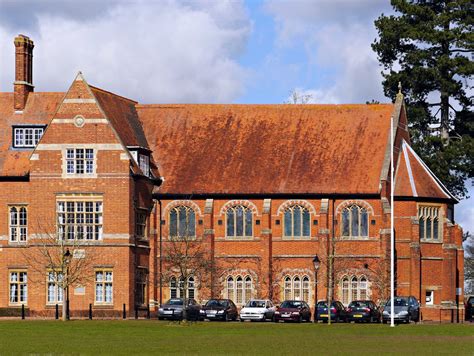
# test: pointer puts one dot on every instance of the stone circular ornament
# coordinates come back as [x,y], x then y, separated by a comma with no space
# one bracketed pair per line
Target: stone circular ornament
[79,121]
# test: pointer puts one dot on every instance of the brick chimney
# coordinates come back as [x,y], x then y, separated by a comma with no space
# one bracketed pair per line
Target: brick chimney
[23,84]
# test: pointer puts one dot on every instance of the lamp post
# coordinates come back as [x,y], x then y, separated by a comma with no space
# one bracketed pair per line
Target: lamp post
[316,264]
[67,260]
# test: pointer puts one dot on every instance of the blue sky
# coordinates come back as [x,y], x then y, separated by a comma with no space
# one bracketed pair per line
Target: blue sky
[162,51]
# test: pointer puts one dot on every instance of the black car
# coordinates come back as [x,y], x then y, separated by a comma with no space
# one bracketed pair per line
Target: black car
[405,309]
[219,309]
[363,310]
[469,308]
[173,309]
[337,312]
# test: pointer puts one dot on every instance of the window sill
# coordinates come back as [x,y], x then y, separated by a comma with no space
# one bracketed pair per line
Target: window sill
[360,238]
[104,305]
[431,241]
[53,305]
[304,238]
[18,243]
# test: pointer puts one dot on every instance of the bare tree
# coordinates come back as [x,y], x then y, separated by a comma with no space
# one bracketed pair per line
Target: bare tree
[299,97]
[68,260]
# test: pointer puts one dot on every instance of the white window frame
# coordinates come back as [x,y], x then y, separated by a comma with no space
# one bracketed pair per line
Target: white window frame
[176,287]
[239,288]
[79,162]
[144,164]
[27,137]
[80,219]
[17,224]
[302,213]
[297,287]
[54,292]
[17,288]
[429,297]
[233,210]
[354,288]
[350,211]
[141,218]
[101,297]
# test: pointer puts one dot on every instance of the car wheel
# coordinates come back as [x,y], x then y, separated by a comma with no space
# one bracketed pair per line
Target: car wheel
[300,319]
[384,321]
[160,318]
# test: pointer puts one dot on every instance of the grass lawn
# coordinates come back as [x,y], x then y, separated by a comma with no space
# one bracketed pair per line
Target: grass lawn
[153,337]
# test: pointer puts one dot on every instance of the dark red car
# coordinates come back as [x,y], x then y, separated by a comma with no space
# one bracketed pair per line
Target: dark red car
[293,310]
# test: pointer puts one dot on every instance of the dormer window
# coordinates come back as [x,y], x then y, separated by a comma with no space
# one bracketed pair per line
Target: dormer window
[144,163]
[27,136]
[141,156]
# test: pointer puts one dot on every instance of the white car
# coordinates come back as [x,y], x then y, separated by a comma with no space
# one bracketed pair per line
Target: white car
[258,309]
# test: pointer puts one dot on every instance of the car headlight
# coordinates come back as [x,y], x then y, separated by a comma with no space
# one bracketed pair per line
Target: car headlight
[160,309]
[385,312]
[277,312]
[202,311]
[220,312]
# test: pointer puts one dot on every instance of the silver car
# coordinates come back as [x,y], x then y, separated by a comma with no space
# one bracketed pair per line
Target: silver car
[406,309]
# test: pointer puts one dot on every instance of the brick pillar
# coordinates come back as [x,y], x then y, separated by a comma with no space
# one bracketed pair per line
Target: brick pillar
[415,265]
[209,238]
[449,274]
[266,233]
[23,84]
[322,250]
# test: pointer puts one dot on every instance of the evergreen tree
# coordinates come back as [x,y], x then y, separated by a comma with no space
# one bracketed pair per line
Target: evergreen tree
[428,47]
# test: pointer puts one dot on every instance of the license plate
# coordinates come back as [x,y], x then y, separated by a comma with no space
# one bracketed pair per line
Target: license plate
[286,315]
[357,316]
[211,315]
[212,312]
[167,312]
[323,315]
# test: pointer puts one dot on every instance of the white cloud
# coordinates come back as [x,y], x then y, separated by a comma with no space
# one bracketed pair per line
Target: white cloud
[337,35]
[165,51]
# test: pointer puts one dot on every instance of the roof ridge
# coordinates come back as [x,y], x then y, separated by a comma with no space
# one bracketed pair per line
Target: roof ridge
[111,93]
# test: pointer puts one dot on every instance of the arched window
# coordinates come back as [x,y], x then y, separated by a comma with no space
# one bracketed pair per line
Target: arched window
[296,222]
[355,221]
[428,219]
[345,290]
[287,288]
[296,288]
[230,288]
[18,223]
[306,288]
[239,221]
[239,288]
[354,288]
[177,289]
[182,222]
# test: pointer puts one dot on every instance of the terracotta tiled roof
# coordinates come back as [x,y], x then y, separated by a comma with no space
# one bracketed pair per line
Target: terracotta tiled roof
[39,109]
[268,148]
[122,114]
[414,179]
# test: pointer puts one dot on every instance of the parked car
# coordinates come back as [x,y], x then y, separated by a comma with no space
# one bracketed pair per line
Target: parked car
[406,309]
[469,308]
[337,310]
[258,309]
[173,309]
[219,309]
[293,310]
[363,310]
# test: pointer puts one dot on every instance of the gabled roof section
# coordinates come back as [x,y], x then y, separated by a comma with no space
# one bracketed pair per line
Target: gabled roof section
[39,110]
[123,116]
[266,149]
[414,179]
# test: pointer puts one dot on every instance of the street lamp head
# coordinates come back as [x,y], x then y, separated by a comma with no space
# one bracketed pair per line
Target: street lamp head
[67,256]
[316,262]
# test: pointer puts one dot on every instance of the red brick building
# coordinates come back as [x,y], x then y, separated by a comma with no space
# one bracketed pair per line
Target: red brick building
[264,188]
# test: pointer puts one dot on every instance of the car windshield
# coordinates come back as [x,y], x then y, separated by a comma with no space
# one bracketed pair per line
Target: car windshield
[291,304]
[325,304]
[175,302]
[398,302]
[217,303]
[255,304]
[359,305]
